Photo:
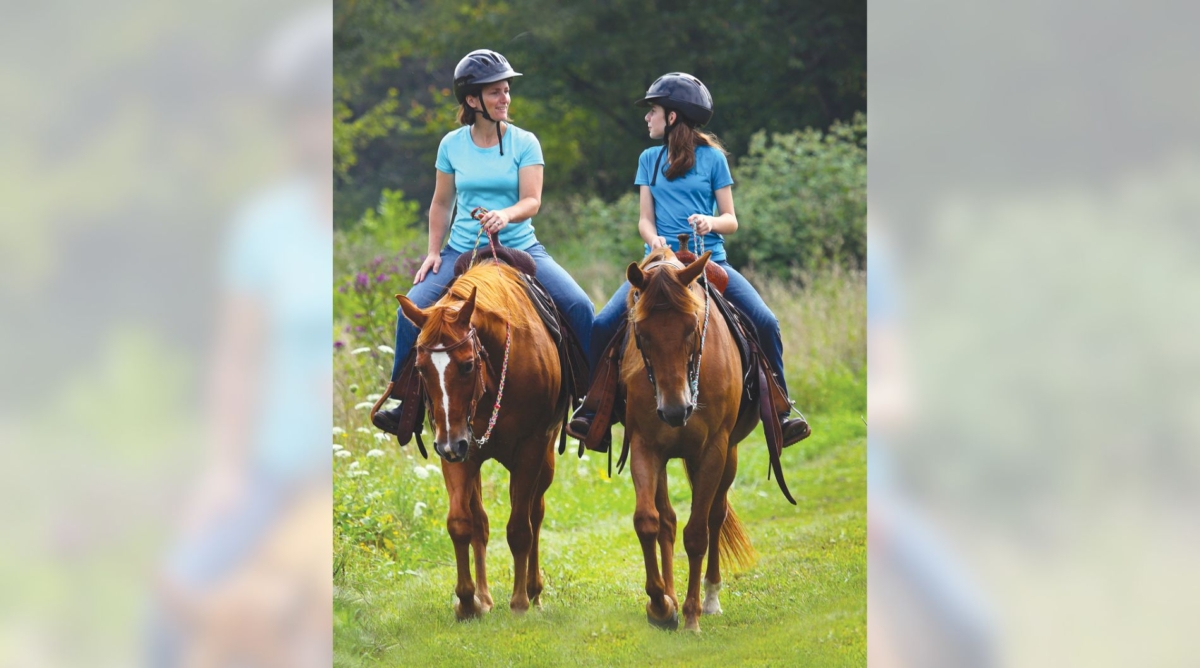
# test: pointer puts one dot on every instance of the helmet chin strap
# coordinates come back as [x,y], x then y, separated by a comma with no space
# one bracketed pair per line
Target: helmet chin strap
[484,111]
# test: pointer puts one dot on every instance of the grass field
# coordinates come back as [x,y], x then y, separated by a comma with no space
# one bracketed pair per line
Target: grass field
[802,603]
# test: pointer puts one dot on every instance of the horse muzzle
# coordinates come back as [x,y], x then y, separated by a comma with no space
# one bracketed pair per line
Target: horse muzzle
[676,415]
[452,451]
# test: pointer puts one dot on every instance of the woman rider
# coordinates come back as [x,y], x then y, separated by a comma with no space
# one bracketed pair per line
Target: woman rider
[678,192]
[490,163]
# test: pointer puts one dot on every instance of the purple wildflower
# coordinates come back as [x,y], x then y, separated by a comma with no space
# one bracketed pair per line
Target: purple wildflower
[362,281]
[338,345]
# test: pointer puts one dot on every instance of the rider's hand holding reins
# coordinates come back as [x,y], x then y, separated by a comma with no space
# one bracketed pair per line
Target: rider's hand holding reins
[494,221]
[701,223]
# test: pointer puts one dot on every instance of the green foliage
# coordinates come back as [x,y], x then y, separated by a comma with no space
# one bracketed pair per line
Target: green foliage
[802,201]
[374,260]
[584,63]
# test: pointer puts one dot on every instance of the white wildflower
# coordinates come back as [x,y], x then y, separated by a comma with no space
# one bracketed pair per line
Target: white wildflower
[380,436]
[338,430]
[363,430]
[386,349]
[419,509]
[342,453]
[582,471]
[390,404]
[585,458]
[359,351]
[359,472]
[374,397]
[354,464]
[420,472]
[336,447]
[433,468]
[363,406]
[375,453]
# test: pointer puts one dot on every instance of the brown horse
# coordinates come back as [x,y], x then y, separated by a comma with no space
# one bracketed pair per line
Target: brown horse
[668,339]
[461,355]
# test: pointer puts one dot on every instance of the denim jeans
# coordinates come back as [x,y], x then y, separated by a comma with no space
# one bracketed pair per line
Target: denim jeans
[740,293]
[566,293]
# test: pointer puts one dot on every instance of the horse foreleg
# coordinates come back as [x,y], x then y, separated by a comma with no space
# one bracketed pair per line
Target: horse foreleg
[481,530]
[706,472]
[666,533]
[533,581]
[460,484]
[522,485]
[716,518]
[645,468]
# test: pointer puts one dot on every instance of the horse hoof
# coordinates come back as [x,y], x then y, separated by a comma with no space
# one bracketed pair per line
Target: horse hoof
[518,609]
[485,602]
[476,610]
[669,623]
[692,626]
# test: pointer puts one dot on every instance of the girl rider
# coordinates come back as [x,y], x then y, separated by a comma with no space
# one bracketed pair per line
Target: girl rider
[492,163]
[681,184]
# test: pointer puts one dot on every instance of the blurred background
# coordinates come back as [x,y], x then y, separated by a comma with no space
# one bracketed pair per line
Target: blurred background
[165,277]
[1033,306]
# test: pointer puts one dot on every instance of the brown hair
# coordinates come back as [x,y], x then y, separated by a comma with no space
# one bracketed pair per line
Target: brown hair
[682,147]
[466,115]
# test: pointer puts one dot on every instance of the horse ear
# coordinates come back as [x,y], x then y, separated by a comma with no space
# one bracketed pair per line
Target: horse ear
[467,309]
[634,273]
[416,315]
[693,270]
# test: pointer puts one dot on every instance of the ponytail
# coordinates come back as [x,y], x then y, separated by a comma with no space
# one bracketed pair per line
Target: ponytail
[682,142]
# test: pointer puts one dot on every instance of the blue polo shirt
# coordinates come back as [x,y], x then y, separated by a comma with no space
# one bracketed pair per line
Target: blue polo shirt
[694,192]
[483,177]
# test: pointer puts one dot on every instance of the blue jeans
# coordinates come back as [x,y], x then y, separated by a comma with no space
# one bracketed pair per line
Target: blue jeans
[739,292]
[566,293]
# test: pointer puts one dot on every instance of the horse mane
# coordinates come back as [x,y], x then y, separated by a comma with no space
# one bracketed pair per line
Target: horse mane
[662,289]
[505,295]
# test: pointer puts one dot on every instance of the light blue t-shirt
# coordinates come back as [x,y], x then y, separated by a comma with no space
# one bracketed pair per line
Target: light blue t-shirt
[482,177]
[694,192]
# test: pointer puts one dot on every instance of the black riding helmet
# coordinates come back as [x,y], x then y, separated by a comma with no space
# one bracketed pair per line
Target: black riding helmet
[683,94]
[686,96]
[480,67]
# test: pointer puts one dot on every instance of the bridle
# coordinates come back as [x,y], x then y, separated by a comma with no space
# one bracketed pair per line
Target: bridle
[693,368]
[479,355]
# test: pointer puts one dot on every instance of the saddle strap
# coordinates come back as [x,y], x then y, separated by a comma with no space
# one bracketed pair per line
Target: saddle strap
[772,430]
[624,452]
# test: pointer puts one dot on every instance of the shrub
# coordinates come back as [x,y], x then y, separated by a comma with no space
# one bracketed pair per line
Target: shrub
[802,201]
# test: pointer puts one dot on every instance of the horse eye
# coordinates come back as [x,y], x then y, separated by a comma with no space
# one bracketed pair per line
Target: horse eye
[468,366]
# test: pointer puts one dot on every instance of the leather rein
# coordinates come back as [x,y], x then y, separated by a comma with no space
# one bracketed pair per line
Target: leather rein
[479,354]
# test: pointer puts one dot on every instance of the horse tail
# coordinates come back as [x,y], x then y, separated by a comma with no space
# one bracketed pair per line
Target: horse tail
[734,543]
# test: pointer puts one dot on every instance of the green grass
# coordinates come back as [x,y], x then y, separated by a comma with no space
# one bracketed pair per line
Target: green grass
[802,603]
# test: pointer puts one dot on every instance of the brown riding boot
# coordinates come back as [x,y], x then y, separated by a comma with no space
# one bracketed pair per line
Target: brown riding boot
[794,429]
[581,424]
[389,420]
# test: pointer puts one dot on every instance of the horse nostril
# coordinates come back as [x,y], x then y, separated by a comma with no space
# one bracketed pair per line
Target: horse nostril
[687,412]
[461,447]
[661,415]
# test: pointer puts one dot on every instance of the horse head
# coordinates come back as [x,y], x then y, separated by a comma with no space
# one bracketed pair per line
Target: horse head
[666,320]
[451,362]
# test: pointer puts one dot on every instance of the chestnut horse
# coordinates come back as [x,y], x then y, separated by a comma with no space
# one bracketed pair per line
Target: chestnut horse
[672,333]
[463,361]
